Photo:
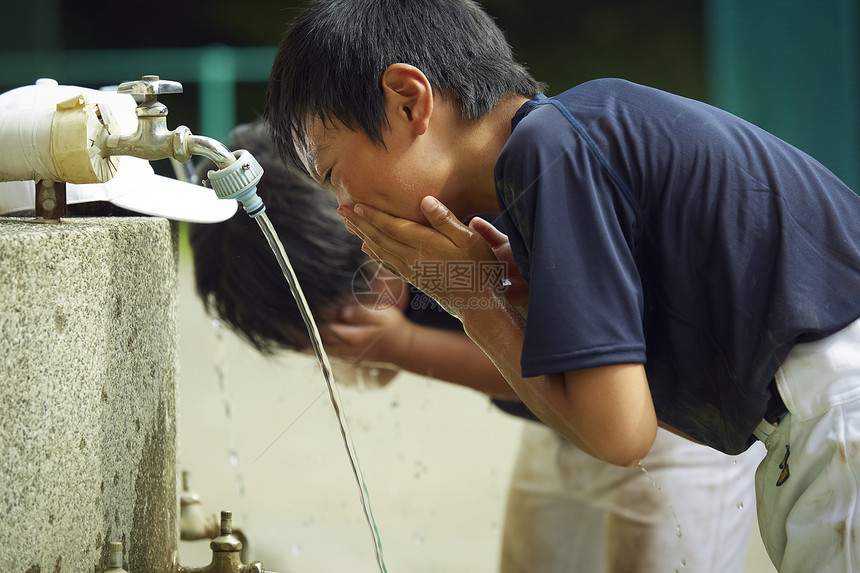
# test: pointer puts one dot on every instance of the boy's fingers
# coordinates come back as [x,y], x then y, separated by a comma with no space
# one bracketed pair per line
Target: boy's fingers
[490,234]
[377,227]
[392,241]
[444,220]
[374,223]
[353,222]
[381,233]
[351,314]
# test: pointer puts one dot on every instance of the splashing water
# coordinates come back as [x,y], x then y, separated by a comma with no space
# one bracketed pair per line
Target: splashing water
[226,401]
[325,365]
[659,487]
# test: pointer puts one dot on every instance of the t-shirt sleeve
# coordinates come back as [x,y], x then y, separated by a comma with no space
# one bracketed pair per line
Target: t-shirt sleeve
[574,238]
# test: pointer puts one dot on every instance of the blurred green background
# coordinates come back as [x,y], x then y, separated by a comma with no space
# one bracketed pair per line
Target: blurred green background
[790,66]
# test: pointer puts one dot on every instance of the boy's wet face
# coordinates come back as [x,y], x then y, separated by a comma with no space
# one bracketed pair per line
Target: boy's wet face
[392,178]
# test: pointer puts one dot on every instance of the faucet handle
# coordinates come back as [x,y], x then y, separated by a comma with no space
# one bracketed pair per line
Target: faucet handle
[148,88]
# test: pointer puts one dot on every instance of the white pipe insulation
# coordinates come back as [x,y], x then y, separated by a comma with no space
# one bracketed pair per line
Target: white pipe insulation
[25,145]
[57,143]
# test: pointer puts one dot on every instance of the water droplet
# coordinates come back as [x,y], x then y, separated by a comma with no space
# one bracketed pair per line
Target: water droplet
[677,523]
[683,562]
[418,539]
[234,458]
[660,488]
[296,549]
[216,323]
[740,505]
[650,477]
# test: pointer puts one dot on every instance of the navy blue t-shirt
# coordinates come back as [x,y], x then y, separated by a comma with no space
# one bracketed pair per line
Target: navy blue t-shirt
[656,229]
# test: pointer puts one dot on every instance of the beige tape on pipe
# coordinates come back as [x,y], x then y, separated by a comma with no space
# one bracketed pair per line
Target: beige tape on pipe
[76,127]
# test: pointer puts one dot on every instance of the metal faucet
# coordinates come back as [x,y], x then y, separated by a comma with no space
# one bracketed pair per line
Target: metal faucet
[237,174]
[152,140]
[195,524]
[225,553]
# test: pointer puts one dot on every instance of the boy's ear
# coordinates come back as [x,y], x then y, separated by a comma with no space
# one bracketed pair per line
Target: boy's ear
[408,96]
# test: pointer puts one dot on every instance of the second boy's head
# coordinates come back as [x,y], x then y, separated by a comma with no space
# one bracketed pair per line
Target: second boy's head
[368,94]
[238,277]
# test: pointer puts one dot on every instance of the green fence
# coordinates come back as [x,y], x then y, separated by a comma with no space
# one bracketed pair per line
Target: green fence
[790,66]
[213,72]
[793,68]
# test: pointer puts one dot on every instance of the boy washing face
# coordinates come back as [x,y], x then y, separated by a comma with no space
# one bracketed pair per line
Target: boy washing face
[682,265]
[373,327]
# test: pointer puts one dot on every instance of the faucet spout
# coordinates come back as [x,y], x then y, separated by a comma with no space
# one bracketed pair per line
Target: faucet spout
[214,150]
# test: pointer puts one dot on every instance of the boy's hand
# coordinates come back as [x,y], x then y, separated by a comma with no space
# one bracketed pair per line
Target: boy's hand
[424,255]
[516,288]
[365,335]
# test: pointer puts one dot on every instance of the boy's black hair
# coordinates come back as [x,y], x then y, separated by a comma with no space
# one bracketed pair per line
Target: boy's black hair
[236,273]
[330,63]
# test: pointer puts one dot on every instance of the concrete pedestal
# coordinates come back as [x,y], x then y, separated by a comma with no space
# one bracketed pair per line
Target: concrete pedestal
[88,375]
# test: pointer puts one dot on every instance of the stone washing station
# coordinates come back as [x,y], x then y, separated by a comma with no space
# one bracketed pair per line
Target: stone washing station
[88,339]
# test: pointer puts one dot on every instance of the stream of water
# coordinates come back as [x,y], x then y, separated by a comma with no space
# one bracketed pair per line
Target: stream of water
[325,365]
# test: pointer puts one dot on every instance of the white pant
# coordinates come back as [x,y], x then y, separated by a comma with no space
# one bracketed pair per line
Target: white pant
[810,521]
[569,512]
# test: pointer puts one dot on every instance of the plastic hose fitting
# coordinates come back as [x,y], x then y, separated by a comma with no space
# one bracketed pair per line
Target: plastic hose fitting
[239,181]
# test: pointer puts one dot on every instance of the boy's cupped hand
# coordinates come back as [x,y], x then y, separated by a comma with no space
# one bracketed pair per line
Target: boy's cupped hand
[427,256]
[369,335]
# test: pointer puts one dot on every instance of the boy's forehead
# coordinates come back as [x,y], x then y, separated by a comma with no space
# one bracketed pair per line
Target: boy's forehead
[315,143]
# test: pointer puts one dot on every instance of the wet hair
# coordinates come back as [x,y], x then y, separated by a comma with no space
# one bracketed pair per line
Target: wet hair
[330,63]
[236,274]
